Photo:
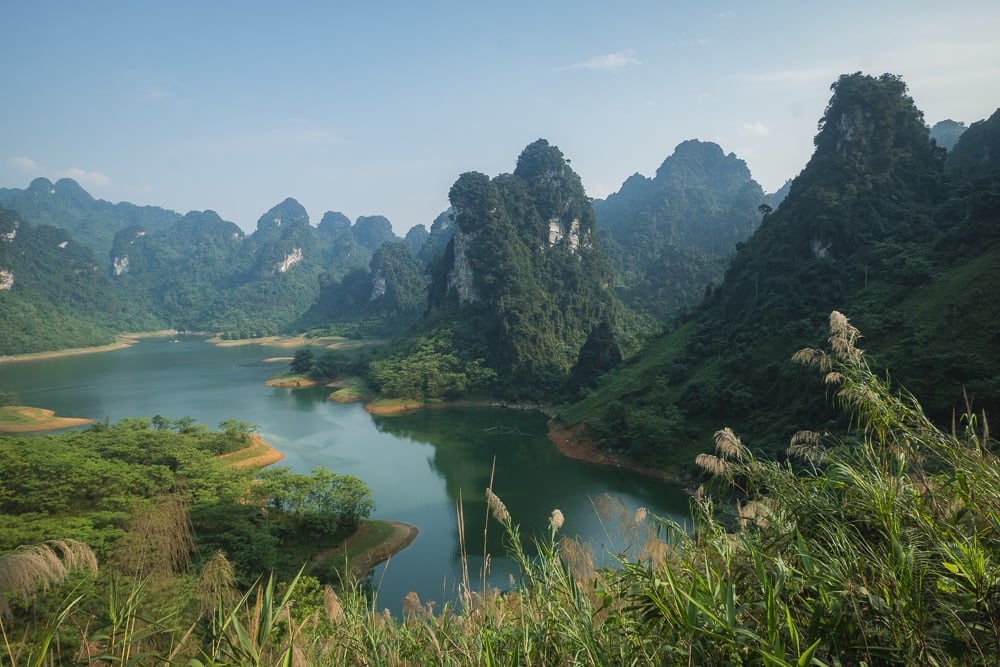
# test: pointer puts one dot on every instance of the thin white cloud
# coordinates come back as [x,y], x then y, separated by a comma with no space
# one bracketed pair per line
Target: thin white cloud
[24,164]
[606,63]
[726,16]
[803,75]
[756,129]
[90,179]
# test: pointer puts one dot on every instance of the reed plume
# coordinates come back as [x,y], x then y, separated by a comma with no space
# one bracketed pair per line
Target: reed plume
[556,520]
[498,509]
[33,568]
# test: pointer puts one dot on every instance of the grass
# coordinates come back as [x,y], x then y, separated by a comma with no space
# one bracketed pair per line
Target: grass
[881,549]
[352,390]
[259,454]
[631,377]
[23,419]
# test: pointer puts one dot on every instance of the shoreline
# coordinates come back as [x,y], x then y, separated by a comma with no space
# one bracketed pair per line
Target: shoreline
[39,419]
[572,443]
[121,341]
[268,455]
[402,536]
[395,406]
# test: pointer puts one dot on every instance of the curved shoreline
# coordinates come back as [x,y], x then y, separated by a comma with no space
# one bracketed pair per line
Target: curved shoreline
[572,442]
[121,341]
[39,419]
[402,536]
[267,455]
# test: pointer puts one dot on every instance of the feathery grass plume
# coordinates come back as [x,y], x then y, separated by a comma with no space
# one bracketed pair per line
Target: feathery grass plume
[331,603]
[712,464]
[412,605]
[808,356]
[556,520]
[728,444]
[497,507]
[579,559]
[833,377]
[33,568]
[807,445]
[843,337]
[655,551]
[216,583]
[159,539]
[753,513]
[640,515]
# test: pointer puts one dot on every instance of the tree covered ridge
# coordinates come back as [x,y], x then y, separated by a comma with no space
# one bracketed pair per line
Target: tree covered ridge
[669,237]
[519,288]
[881,547]
[872,224]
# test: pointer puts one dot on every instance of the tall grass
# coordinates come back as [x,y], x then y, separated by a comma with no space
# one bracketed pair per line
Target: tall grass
[880,547]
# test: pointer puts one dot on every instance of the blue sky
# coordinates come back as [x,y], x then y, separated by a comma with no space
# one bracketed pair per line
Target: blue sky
[377,107]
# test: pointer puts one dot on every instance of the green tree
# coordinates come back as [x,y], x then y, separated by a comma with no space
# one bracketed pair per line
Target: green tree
[302,362]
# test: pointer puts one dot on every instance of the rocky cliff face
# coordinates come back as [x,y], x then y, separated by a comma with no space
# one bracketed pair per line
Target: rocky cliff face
[523,254]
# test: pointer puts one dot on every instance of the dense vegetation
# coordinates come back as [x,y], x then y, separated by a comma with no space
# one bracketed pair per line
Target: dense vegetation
[53,293]
[877,224]
[669,237]
[117,487]
[881,548]
[520,286]
[101,269]
[91,222]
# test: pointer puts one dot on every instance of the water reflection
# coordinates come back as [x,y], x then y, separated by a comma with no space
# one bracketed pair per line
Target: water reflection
[419,465]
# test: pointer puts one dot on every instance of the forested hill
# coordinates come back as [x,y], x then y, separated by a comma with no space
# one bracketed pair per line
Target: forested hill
[521,286]
[668,237]
[875,227]
[158,269]
[92,222]
[54,293]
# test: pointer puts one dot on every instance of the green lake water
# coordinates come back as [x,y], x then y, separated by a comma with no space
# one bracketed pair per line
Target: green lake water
[419,465]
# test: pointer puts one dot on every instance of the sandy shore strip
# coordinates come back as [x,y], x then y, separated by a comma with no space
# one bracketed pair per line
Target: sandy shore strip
[572,442]
[24,419]
[121,341]
[259,454]
[402,536]
[328,342]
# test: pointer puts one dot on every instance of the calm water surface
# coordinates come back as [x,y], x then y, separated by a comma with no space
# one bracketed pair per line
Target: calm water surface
[418,465]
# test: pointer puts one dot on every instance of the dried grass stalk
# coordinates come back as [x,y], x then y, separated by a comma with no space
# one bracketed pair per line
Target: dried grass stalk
[712,464]
[331,603]
[32,568]
[556,520]
[497,507]
[728,444]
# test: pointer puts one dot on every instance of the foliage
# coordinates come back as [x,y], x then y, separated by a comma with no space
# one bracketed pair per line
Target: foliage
[668,236]
[383,300]
[521,283]
[873,224]
[432,366]
[882,548]
[58,296]
[89,485]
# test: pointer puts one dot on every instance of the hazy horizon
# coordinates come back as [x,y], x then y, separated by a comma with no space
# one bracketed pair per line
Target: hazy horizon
[377,109]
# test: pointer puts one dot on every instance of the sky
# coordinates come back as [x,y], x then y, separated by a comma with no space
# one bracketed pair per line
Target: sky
[376,108]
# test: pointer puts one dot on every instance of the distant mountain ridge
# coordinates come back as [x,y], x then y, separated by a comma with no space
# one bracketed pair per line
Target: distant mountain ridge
[93,222]
[873,227]
[669,236]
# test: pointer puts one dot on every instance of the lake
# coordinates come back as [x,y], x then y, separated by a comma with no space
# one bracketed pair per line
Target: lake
[419,465]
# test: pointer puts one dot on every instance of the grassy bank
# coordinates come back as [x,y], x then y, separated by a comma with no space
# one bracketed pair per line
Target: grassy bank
[121,341]
[24,419]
